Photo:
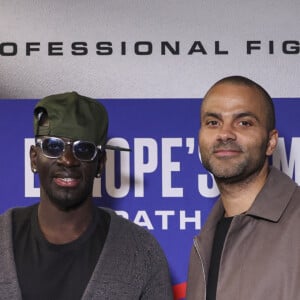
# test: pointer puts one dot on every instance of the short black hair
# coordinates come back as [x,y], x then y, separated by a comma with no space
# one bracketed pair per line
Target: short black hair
[241,80]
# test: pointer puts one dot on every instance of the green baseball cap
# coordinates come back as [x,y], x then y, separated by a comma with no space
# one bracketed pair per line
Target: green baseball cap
[72,116]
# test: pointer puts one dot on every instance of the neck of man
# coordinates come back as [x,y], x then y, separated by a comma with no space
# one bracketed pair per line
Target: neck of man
[61,227]
[238,197]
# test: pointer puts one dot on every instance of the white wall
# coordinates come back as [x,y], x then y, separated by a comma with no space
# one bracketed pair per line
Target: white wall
[232,23]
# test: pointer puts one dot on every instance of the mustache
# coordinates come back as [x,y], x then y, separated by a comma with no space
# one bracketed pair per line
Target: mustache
[227,145]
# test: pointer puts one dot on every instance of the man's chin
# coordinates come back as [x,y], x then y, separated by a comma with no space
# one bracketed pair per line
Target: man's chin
[67,206]
[228,176]
[228,179]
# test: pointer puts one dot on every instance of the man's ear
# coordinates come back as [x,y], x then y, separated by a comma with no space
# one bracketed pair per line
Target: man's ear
[101,164]
[273,139]
[33,158]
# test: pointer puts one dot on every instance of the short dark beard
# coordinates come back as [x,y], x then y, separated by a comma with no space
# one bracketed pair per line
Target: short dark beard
[237,179]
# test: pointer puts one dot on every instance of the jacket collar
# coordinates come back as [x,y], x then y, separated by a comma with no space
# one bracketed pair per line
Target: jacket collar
[272,200]
[269,204]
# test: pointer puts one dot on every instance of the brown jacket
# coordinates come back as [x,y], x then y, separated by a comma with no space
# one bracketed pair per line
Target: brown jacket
[261,254]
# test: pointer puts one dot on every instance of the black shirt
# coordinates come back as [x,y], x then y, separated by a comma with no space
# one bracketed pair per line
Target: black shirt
[219,239]
[50,271]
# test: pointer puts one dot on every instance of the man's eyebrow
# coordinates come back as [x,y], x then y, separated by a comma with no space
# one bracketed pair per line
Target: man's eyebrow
[236,115]
[246,114]
[212,114]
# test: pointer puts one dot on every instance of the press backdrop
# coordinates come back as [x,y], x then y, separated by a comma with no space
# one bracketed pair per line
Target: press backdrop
[149,63]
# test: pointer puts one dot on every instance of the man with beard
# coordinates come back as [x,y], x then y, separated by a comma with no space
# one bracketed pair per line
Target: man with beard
[65,247]
[249,246]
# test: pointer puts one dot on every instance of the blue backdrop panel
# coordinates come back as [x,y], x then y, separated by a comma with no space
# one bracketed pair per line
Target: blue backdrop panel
[163,187]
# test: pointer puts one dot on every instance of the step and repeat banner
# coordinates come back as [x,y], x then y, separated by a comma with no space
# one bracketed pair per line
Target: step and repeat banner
[149,63]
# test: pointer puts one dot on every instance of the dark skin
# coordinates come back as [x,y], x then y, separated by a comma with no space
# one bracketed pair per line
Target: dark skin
[66,184]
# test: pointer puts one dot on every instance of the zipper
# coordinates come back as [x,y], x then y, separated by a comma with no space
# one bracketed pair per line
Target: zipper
[202,264]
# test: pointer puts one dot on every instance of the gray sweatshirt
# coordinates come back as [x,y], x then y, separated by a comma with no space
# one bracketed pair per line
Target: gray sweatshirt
[131,266]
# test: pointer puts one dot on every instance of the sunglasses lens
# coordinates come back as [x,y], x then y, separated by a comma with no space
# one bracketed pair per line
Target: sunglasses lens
[84,150]
[53,147]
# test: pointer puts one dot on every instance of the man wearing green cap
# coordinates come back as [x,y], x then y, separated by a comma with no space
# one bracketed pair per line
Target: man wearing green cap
[65,247]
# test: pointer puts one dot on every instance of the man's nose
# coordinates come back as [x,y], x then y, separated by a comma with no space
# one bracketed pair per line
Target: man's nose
[68,158]
[226,132]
